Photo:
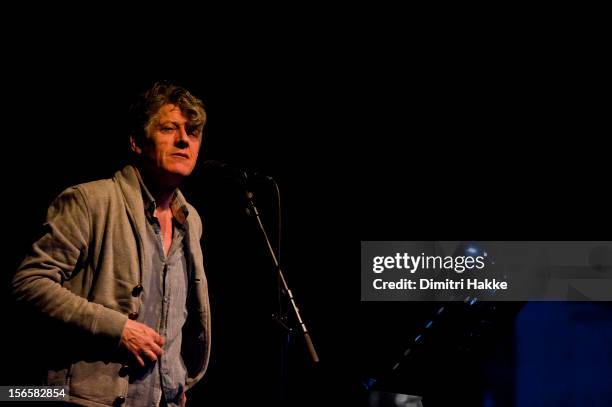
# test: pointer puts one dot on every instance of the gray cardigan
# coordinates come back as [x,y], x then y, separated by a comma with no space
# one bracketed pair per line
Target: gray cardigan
[81,275]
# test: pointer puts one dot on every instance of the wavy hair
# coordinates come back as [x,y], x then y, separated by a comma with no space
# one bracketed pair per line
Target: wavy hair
[143,112]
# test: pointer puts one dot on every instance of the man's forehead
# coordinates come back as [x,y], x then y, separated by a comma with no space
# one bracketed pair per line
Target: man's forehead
[170,112]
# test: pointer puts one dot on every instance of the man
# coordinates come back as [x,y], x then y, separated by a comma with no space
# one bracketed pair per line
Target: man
[118,273]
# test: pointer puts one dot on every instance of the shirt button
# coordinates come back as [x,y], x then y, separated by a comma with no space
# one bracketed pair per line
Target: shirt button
[165,299]
[133,315]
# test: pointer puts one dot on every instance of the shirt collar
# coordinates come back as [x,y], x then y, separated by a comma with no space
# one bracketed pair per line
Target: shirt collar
[178,206]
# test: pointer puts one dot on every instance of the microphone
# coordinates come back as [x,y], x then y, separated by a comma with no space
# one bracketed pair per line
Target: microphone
[228,170]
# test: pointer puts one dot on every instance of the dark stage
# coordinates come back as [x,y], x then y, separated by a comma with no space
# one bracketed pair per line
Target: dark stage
[352,163]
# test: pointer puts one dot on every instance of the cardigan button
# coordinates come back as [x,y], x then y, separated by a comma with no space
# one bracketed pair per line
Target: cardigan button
[125,369]
[137,290]
[133,315]
[119,400]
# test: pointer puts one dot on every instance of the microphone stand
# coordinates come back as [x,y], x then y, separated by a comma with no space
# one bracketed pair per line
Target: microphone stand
[253,211]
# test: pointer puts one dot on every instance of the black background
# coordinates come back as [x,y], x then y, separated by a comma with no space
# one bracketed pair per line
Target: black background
[367,139]
[66,129]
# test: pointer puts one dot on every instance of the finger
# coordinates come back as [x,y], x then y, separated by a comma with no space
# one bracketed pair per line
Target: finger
[157,338]
[140,361]
[156,349]
[150,355]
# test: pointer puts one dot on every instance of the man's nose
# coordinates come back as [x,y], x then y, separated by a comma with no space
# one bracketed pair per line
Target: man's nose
[182,137]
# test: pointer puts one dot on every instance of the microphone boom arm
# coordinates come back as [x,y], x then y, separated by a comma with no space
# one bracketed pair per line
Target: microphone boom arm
[252,209]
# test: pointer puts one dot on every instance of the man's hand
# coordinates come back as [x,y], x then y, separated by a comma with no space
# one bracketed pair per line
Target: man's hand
[140,340]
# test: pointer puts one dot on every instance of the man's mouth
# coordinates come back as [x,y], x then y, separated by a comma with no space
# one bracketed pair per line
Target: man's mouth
[182,155]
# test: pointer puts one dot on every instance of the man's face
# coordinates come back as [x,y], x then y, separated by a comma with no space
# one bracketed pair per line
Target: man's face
[171,147]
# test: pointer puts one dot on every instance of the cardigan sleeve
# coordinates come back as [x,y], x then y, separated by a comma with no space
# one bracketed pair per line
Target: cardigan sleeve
[52,260]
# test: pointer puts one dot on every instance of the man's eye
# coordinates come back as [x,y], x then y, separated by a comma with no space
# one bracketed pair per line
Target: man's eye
[193,131]
[167,128]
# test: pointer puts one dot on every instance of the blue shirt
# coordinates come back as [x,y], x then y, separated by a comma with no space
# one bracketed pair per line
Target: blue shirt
[164,295]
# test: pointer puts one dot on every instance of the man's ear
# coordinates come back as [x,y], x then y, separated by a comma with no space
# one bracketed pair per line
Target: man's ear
[134,146]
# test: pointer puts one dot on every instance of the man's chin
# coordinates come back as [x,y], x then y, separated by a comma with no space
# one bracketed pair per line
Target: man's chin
[179,170]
